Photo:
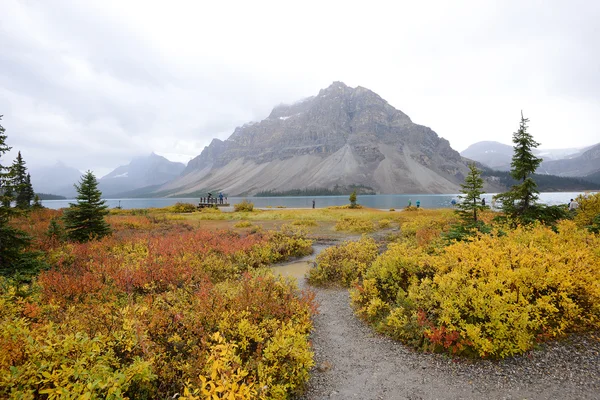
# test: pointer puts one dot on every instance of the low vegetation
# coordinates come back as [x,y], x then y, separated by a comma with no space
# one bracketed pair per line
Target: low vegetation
[158,308]
[244,206]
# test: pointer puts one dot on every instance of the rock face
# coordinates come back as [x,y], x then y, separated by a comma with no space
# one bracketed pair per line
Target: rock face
[140,172]
[343,136]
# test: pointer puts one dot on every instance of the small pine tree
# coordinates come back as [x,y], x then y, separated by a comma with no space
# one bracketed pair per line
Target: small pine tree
[37,202]
[85,220]
[470,203]
[12,241]
[55,231]
[519,202]
[470,206]
[353,199]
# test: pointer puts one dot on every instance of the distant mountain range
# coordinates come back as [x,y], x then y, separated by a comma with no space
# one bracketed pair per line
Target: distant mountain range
[57,179]
[142,172]
[343,137]
[582,163]
[139,173]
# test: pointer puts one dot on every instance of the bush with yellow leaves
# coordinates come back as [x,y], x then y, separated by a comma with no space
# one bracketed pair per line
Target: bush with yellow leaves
[351,224]
[491,297]
[341,265]
[589,211]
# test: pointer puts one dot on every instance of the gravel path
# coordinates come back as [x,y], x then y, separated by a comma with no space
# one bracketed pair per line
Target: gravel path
[353,362]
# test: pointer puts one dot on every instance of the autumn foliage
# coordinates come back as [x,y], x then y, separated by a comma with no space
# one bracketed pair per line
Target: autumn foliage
[160,309]
[491,297]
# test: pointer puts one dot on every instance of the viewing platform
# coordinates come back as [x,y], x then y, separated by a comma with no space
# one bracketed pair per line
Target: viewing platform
[213,202]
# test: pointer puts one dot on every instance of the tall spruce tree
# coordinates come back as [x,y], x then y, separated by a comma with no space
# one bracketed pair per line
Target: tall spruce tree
[12,240]
[469,206]
[85,220]
[520,201]
[21,183]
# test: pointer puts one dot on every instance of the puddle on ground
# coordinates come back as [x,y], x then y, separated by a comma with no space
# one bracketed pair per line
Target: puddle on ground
[295,270]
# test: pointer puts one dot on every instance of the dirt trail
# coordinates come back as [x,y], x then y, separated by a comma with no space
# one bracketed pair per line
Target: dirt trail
[353,362]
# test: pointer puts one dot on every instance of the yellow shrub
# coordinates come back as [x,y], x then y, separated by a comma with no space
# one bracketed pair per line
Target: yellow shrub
[492,297]
[305,222]
[350,224]
[182,208]
[384,223]
[344,263]
[243,224]
[589,208]
[224,377]
[244,206]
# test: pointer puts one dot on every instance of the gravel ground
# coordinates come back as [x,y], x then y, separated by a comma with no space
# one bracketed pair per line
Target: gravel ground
[353,362]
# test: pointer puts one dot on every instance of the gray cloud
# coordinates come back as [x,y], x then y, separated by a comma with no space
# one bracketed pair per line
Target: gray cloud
[96,83]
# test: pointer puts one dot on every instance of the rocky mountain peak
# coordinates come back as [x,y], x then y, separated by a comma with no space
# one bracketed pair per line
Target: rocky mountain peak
[343,136]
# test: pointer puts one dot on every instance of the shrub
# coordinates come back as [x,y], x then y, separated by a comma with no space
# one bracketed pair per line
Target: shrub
[243,224]
[182,208]
[305,222]
[492,297]
[244,206]
[385,223]
[345,207]
[344,263]
[351,224]
[589,209]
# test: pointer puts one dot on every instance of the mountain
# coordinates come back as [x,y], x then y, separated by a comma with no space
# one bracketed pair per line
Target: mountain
[56,179]
[344,137]
[492,154]
[588,163]
[499,155]
[140,172]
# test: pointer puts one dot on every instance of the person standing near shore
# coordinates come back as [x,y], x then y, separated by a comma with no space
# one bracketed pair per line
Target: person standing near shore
[313,203]
[573,205]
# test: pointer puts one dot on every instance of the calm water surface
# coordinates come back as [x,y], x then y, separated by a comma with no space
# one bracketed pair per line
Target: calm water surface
[383,201]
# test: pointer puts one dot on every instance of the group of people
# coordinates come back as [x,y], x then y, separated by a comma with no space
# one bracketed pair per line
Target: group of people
[214,200]
[417,203]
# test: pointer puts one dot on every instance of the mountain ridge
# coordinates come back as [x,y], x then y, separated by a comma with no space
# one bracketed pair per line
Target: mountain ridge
[343,136]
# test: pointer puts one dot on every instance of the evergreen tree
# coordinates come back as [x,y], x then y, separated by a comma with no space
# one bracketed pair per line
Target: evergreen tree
[37,203]
[55,231]
[12,241]
[21,184]
[85,220]
[5,188]
[7,196]
[519,203]
[470,203]
[469,206]
[29,194]
[352,199]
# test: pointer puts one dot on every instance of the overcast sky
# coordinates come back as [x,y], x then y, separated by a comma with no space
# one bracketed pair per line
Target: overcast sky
[95,83]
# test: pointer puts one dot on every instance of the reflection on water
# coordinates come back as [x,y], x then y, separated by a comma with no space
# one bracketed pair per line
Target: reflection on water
[295,270]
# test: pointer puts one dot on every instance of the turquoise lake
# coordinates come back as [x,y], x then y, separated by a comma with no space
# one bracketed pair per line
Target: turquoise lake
[383,201]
